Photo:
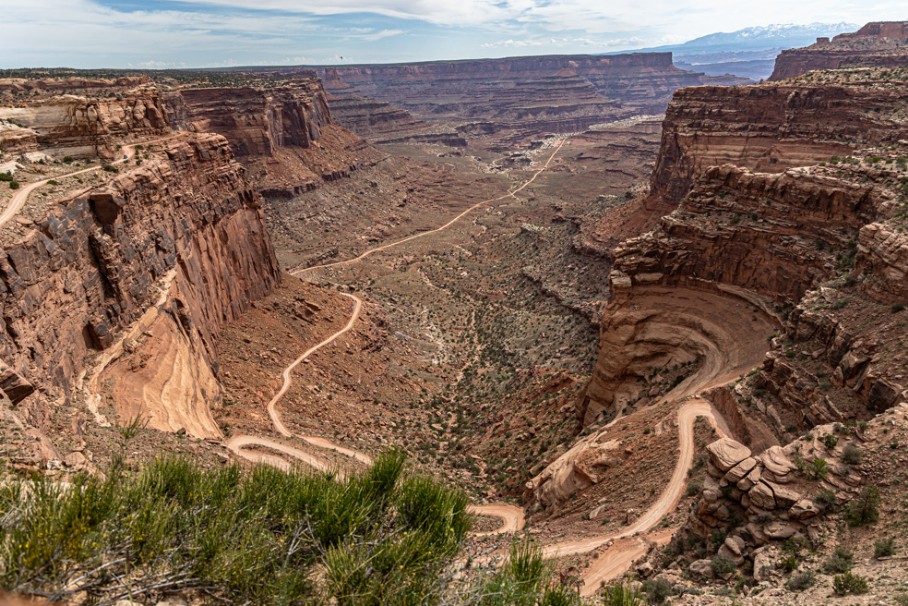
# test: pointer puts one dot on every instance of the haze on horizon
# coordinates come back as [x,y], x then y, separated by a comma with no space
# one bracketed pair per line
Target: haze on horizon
[219,33]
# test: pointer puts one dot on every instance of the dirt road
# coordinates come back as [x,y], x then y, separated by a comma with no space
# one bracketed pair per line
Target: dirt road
[21,197]
[423,234]
[627,548]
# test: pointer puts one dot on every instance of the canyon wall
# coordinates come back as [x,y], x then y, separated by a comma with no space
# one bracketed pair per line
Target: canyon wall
[256,121]
[767,128]
[69,118]
[791,198]
[528,95]
[186,229]
[284,134]
[879,44]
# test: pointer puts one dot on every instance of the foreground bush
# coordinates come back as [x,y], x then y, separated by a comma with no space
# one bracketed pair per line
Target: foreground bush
[849,584]
[524,580]
[619,594]
[380,537]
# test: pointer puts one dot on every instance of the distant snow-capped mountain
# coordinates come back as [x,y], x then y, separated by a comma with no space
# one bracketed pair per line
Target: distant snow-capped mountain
[748,52]
[788,35]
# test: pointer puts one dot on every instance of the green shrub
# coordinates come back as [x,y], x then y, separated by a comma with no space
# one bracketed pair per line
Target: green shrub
[694,489]
[865,509]
[796,544]
[7,176]
[789,563]
[801,581]
[852,455]
[840,561]
[619,594]
[525,580]
[658,590]
[884,548]
[849,584]
[723,565]
[816,469]
[830,441]
[826,499]
[897,307]
[14,185]
[381,537]
[68,159]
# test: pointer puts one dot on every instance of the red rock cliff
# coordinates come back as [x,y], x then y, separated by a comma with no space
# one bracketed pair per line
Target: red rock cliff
[780,230]
[187,221]
[767,128]
[283,134]
[536,94]
[879,44]
[73,118]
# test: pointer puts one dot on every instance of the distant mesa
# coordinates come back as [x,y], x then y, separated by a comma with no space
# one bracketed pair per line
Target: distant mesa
[878,44]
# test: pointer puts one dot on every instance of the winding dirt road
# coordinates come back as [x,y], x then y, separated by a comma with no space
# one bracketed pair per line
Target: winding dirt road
[512,517]
[628,547]
[628,544]
[423,234]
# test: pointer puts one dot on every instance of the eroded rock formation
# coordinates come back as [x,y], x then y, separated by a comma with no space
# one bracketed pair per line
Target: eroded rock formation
[767,128]
[72,118]
[878,44]
[283,134]
[522,96]
[187,222]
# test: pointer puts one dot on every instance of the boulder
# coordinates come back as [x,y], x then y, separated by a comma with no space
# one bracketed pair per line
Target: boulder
[762,496]
[736,473]
[701,568]
[747,482]
[763,564]
[14,385]
[735,544]
[726,453]
[724,551]
[803,510]
[777,467]
[779,530]
[785,497]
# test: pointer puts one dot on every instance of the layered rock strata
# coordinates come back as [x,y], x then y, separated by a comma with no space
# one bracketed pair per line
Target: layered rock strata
[283,134]
[878,44]
[528,95]
[181,238]
[76,123]
[767,128]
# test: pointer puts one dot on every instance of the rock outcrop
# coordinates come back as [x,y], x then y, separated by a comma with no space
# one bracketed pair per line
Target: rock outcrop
[67,120]
[787,216]
[878,44]
[284,134]
[187,222]
[767,128]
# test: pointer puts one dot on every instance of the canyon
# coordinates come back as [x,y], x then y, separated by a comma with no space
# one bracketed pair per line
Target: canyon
[634,333]
[505,100]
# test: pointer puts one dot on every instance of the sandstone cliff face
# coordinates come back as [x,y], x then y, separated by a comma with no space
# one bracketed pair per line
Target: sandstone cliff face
[255,121]
[284,135]
[776,262]
[767,128]
[80,125]
[188,223]
[878,44]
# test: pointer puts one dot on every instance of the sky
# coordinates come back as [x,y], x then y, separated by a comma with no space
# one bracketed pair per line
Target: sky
[221,33]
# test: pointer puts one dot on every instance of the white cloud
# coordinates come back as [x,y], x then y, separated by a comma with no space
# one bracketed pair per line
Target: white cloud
[87,33]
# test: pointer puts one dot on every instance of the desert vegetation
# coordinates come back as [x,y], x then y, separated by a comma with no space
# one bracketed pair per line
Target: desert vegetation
[380,537]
